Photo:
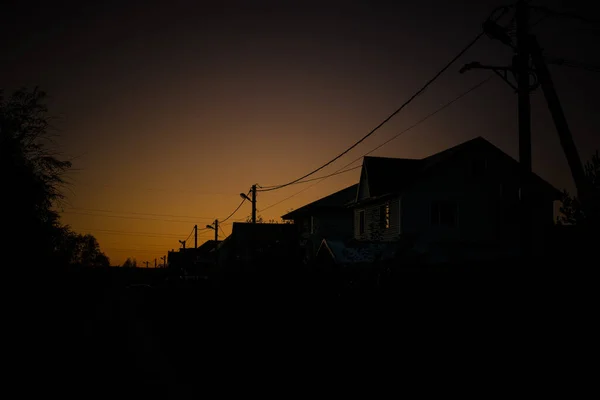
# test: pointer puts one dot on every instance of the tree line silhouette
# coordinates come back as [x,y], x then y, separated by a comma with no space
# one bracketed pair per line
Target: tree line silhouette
[33,176]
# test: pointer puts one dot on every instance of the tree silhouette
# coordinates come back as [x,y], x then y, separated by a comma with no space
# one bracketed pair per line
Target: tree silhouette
[81,250]
[572,212]
[130,263]
[34,177]
[259,219]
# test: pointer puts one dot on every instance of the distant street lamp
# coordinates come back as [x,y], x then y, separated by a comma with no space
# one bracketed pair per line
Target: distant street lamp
[245,197]
[216,229]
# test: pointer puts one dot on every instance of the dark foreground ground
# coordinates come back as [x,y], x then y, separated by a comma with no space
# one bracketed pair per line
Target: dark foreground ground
[107,330]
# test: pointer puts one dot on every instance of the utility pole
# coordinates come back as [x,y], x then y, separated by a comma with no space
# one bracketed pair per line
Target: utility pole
[521,71]
[146,264]
[254,204]
[524,107]
[216,241]
[195,236]
[154,262]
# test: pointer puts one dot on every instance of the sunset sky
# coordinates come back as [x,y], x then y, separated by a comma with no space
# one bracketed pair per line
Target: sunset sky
[170,109]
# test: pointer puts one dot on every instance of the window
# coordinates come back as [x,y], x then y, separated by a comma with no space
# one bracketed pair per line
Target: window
[479,166]
[361,222]
[384,216]
[444,213]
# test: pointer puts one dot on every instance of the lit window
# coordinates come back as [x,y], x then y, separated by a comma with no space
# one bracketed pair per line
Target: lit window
[384,216]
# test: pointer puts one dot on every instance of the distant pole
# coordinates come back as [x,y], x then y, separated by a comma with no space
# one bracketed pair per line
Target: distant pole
[216,241]
[154,262]
[146,263]
[524,109]
[253,204]
[195,236]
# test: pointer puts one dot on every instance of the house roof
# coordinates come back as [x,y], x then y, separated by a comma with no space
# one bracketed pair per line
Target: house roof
[337,199]
[406,171]
[378,170]
[208,246]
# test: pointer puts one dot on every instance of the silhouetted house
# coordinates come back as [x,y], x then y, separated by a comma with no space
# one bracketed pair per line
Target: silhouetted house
[329,217]
[461,203]
[258,243]
[192,261]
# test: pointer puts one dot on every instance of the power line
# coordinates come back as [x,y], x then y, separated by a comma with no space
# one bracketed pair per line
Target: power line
[435,77]
[170,190]
[123,217]
[234,211]
[573,64]
[128,233]
[190,235]
[555,13]
[136,213]
[133,250]
[326,176]
[446,105]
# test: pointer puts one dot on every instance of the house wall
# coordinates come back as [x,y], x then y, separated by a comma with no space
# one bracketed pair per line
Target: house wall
[373,216]
[485,189]
[326,224]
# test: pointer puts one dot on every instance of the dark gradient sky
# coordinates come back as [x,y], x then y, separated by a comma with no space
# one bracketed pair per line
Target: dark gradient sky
[173,108]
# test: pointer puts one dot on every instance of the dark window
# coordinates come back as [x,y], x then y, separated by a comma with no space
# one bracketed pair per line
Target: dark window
[444,213]
[384,216]
[479,167]
[361,222]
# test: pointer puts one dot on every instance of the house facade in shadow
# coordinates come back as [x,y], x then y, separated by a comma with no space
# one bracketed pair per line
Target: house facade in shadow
[460,204]
[329,217]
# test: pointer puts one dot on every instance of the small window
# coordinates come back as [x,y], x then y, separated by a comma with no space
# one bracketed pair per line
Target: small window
[444,213]
[479,166]
[384,216]
[361,222]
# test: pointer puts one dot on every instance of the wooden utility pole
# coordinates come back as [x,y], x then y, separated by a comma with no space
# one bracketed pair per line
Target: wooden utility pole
[524,108]
[216,241]
[521,70]
[253,204]
[195,236]
[155,263]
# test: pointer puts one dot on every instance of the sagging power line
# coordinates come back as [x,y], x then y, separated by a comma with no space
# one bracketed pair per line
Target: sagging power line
[406,103]
[443,107]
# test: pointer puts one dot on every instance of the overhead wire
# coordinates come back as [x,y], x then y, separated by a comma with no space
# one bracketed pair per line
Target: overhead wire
[234,211]
[136,213]
[573,64]
[124,217]
[446,105]
[407,102]
[129,233]
[564,14]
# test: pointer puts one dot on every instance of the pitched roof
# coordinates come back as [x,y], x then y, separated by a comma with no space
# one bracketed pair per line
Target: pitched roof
[406,171]
[337,199]
[378,170]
